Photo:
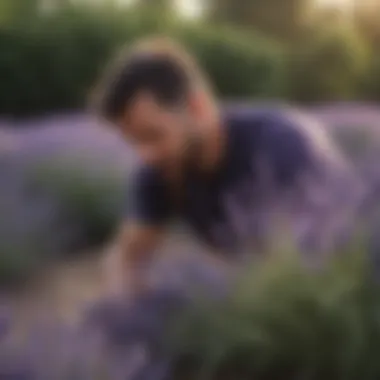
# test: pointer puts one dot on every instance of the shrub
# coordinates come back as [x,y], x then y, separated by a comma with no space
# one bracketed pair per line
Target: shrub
[357,142]
[371,81]
[20,257]
[28,239]
[328,65]
[285,322]
[90,196]
[239,65]
[54,203]
[50,61]
[281,321]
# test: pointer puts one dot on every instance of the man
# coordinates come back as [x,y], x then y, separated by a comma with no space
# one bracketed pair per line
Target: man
[229,174]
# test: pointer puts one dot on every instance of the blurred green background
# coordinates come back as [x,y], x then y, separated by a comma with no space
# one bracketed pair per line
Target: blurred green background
[302,50]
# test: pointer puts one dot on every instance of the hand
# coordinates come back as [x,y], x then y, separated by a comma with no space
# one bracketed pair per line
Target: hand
[123,282]
[113,278]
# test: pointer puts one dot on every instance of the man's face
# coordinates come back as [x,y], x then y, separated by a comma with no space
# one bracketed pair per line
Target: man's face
[163,136]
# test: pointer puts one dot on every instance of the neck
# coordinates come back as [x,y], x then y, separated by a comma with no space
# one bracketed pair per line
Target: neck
[214,141]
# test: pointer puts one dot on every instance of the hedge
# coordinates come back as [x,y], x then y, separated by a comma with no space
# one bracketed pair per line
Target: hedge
[51,62]
[330,65]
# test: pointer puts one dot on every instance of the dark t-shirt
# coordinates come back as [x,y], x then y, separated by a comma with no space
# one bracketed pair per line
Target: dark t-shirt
[267,153]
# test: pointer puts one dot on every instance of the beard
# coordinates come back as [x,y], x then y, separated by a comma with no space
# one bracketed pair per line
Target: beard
[179,167]
[193,151]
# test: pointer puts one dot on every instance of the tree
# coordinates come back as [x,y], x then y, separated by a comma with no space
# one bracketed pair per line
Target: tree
[13,10]
[282,19]
[367,19]
[154,15]
[328,65]
[163,6]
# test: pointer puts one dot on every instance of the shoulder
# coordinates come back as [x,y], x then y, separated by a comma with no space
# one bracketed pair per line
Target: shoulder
[276,127]
[258,123]
[266,122]
[287,140]
[269,130]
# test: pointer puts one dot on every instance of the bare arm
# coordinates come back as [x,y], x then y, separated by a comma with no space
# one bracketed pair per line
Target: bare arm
[126,263]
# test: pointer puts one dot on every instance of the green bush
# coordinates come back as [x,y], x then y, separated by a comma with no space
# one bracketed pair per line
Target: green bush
[371,86]
[51,61]
[328,65]
[27,238]
[284,322]
[20,257]
[91,196]
[357,142]
[58,207]
[239,65]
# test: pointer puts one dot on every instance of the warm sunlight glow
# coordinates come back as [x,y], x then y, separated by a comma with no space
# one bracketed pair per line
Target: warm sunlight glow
[191,8]
[335,3]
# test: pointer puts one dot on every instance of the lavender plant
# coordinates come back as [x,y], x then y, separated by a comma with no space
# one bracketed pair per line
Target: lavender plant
[279,321]
[283,322]
[28,234]
[89,198]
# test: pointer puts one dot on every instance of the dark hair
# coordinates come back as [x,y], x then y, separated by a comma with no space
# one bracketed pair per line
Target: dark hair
[159,68]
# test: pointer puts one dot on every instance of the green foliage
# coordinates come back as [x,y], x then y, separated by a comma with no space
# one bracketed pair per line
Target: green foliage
[286,322]
[372,78]
[162,6]
[20,256]
[356,141]
[15,11]
[90,195]
[328,65]
[25,243]
[66,204]
[280,19]
[52,61]
[238,65]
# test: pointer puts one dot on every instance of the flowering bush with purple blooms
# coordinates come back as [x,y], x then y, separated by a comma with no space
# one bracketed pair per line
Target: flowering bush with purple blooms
[278,321]
[64,187]
[91,198]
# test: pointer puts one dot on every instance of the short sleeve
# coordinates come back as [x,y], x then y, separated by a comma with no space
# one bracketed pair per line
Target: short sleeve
[286,143]
[147,198]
